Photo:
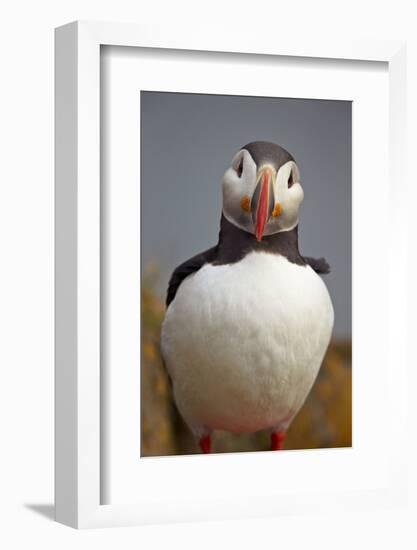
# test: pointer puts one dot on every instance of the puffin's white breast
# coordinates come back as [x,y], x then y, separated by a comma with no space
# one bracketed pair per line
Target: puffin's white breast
[244,342]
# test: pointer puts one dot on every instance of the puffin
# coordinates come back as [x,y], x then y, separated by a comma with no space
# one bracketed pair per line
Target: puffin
[248,321]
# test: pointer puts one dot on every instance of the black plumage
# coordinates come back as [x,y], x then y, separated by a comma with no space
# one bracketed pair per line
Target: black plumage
[234,244]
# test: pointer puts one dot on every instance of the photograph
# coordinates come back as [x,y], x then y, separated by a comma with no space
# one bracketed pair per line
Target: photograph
[246,269]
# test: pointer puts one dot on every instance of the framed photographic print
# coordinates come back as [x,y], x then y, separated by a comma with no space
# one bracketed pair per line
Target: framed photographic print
[225,334]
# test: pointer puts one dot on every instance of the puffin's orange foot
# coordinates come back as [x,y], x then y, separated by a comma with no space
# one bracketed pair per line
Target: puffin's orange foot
[205,444]
[277,440]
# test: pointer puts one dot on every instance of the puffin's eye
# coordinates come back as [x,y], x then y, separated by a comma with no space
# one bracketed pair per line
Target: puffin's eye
[290,180]
[239,167]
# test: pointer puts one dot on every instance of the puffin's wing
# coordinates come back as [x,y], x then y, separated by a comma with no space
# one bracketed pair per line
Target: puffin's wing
[187,268]
[319,265]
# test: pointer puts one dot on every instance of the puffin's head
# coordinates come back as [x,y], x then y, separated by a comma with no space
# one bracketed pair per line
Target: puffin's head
[261,190]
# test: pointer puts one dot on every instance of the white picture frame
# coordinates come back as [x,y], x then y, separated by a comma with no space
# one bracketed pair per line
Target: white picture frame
[78,406]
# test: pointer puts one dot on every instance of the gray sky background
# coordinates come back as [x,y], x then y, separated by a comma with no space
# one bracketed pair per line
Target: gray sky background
[187,143]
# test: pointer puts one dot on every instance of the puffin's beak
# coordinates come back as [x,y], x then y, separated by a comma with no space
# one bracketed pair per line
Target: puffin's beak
[262,203]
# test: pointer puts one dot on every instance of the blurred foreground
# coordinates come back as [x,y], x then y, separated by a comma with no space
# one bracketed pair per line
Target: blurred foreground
[324,420]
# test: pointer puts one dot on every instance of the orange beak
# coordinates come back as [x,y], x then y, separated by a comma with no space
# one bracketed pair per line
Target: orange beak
[262,201]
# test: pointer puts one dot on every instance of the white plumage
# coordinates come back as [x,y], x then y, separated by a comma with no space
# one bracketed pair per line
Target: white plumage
[243,342]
